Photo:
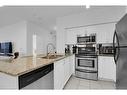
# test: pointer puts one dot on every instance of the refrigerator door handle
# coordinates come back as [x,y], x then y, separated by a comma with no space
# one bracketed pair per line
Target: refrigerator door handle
[116,55]
[118,47]
[114,47]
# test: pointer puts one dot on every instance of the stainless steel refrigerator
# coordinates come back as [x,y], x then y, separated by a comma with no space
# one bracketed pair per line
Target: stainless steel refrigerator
[120,53]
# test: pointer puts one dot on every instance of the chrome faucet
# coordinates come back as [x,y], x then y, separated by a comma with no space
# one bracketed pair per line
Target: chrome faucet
[48,47]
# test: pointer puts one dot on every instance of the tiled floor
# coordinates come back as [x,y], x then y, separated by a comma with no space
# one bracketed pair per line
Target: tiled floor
[78,83]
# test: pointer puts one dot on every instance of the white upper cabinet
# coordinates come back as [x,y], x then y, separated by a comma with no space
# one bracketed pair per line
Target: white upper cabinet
[71,34]
[104,33]
[91,29]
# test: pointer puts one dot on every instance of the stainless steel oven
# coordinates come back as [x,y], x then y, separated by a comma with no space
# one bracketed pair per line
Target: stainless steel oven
[89,49]
[87,63]
[86,67]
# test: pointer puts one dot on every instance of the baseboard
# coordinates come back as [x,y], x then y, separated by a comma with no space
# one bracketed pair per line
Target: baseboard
[105,79]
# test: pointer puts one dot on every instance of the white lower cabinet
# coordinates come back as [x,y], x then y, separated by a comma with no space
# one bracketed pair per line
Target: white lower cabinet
[106,68]
[58,74]
[63,69]
[72,65]
[66,70]
[8,81]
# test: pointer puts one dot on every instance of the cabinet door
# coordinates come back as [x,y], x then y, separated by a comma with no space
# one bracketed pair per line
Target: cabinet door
[72,65]
[8,81]
[101,33]
[91,30]
[110,32]
[71,36]
[66,70]
[58,74]
[105,33]
[106,68]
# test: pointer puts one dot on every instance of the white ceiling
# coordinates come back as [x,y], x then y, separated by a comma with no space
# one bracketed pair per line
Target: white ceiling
[42,15]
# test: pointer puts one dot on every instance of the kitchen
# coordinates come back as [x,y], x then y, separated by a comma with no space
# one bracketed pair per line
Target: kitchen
[81,48]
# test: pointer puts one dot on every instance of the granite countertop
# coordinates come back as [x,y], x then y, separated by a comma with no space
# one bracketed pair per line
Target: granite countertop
[22,65]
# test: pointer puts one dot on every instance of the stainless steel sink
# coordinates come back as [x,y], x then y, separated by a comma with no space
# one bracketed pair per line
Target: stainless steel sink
[52,56]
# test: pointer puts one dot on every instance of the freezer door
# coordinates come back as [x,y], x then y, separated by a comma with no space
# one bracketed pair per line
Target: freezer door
[121,29]
[121,69]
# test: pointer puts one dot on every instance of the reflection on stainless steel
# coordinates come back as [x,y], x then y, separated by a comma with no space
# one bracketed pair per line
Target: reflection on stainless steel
[120,53]
[86,65]
[86,49]
[84,39]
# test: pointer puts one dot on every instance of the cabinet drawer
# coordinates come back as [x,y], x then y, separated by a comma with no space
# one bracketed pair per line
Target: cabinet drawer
[87,75]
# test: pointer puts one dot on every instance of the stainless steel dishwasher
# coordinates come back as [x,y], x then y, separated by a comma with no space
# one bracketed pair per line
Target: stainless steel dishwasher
[41,78]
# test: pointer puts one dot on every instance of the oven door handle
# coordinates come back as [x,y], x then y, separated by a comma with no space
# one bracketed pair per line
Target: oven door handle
[86,58]
[86,71]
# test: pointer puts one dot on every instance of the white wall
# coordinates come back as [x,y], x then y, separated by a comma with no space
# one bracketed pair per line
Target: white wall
[21,34]
[43,38]
[15,33]
[94,15]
